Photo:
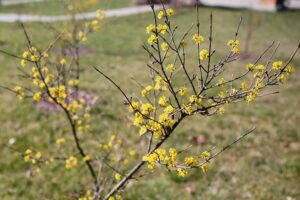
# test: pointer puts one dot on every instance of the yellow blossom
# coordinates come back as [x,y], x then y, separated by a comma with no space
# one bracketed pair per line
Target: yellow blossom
[235,46]
[191,161]
[195,100]
[143,130]
[221,110]
[162,101]
[152,39]
[204,167]
[23,63]
[45,55]
[250,67]
[169,109]
[25,55]
[260,68]
[171,68]
[205,155]
[203,54]
[33,49]
[60,141]
[188,109]
[181,172]
[160,14]
[289,70]
[134,106]
[21,96]
[233,43]
[27,158]
[82,36]
[86,158]
[182,91]
[251,97]
[34,58]
[37,97]
[63,61]
[118,177]
[170,12]
[18,88]
[146,90]
[199,39]
[71,162]
[222,94]
[164,46]
[277,65]
[45,70]
[281,78]
[28,152]
[132,153]
[162,28]
[150,28]
[244,86]
[236,50]
[38,155]
[138,119]
[146,108]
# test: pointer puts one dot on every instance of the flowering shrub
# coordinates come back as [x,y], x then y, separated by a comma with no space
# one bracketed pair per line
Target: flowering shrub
[177,92]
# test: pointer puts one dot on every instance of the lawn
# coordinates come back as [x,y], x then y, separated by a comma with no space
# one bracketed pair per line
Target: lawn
[56,7]
[264,166]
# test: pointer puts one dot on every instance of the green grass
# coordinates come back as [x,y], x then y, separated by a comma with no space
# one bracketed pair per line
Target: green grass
[55,7]
[264,166]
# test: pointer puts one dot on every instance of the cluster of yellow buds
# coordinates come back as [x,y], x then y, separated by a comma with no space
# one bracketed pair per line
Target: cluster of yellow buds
[36,158]
[259,73]
[235,46]
[113,142]
[71,162]
[30,55]
[161,156]
[160,28]
[19,92]
[168,159]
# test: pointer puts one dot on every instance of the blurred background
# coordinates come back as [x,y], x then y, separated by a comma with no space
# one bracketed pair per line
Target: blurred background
[264,166]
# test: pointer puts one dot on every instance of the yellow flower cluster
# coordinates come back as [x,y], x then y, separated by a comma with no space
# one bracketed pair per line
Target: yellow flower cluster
[152,39]
[182,172]
[71,162]
[191,161]
[199,39]
[203,54]
[169,12]
[235,46]
[277,65]
[161,156]
[118,176]
[29,156]
[171,68]
[205,155]
[162,28]
[19,92]
[112,142]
